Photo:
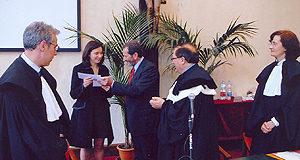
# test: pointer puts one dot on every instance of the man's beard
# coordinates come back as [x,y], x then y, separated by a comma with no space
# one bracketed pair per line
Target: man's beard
[129,64]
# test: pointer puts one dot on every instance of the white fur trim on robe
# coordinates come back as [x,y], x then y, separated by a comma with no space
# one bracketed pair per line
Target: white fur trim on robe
[184,93]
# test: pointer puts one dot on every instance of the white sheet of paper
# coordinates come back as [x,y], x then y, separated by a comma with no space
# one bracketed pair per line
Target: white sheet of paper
[288,155]
[95,77]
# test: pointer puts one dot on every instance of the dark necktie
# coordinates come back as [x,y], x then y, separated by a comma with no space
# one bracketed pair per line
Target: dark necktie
[131,75]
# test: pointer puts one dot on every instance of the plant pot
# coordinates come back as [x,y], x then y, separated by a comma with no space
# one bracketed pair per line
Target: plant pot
[125,154]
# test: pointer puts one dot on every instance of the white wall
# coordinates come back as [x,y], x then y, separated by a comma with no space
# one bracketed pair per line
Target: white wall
[213,16]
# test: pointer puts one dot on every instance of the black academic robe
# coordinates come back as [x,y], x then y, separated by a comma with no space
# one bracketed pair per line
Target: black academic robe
[173,127]
[25,133]
[287,112]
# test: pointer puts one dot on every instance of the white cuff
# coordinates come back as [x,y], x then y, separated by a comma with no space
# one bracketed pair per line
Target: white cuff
[112,84]
[275,121]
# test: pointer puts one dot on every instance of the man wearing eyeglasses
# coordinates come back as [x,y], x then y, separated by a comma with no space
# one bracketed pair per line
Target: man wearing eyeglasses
[174,126]
[32,114]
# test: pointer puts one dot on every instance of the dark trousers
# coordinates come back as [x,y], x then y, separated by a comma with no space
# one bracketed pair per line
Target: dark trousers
[145,146]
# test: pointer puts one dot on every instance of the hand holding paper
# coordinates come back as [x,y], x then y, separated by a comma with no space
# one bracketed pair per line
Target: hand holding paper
[105,81]
[87,81]
[92,76]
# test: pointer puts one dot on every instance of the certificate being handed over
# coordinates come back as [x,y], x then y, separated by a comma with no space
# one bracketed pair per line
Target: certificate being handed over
[95,77]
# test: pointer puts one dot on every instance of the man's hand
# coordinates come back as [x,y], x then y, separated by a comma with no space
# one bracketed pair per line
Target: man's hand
[106,88]
[105,81]
[267,127]
[156,102]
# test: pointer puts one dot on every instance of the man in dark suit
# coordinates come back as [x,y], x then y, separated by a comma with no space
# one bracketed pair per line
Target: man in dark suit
[32,114]
[143,84]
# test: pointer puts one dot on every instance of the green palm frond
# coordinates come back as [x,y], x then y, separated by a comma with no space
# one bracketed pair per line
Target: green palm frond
[78,33]
[170,33]
[233,41]
[133,25]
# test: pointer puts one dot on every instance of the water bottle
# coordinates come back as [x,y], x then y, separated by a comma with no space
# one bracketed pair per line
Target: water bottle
[223,91]
[229,92]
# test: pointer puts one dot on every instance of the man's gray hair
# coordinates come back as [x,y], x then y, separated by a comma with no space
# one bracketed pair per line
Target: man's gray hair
[36,32]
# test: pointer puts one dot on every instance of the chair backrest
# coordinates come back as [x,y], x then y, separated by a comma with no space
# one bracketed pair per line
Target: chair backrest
[246,144]
[70,154]
[226,155]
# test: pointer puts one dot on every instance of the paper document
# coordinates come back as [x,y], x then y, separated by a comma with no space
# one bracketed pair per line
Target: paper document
[95,77]
[288,155]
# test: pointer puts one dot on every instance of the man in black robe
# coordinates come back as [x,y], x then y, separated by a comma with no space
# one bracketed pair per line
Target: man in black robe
[173,131]
[32,114]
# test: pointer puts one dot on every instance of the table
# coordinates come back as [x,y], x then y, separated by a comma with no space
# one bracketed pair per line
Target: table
[286,155]
[231,118]
[258,157]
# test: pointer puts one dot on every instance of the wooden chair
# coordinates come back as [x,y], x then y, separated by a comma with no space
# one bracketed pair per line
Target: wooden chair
[226,155]
[70,154]
[246,145]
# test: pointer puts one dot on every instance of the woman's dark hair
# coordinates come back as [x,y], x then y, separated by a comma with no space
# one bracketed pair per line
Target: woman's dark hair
[290,42]
[188,51]
[91,45]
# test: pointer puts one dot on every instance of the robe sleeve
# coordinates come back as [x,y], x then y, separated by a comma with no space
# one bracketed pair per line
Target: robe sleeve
[23,135]
[291,118]
[173,125]
[77,88]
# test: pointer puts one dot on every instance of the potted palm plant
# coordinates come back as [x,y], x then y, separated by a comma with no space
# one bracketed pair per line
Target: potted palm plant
[233,41]
[133,25]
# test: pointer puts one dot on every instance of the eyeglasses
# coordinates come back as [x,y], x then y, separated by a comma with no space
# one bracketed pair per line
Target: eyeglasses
[55,46]
[175,58]
[274,44]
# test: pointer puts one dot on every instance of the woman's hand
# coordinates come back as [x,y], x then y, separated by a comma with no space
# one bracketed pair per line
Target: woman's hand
[87,81]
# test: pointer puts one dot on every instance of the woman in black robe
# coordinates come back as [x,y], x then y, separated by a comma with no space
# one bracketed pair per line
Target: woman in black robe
[273,122]
[91,116]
